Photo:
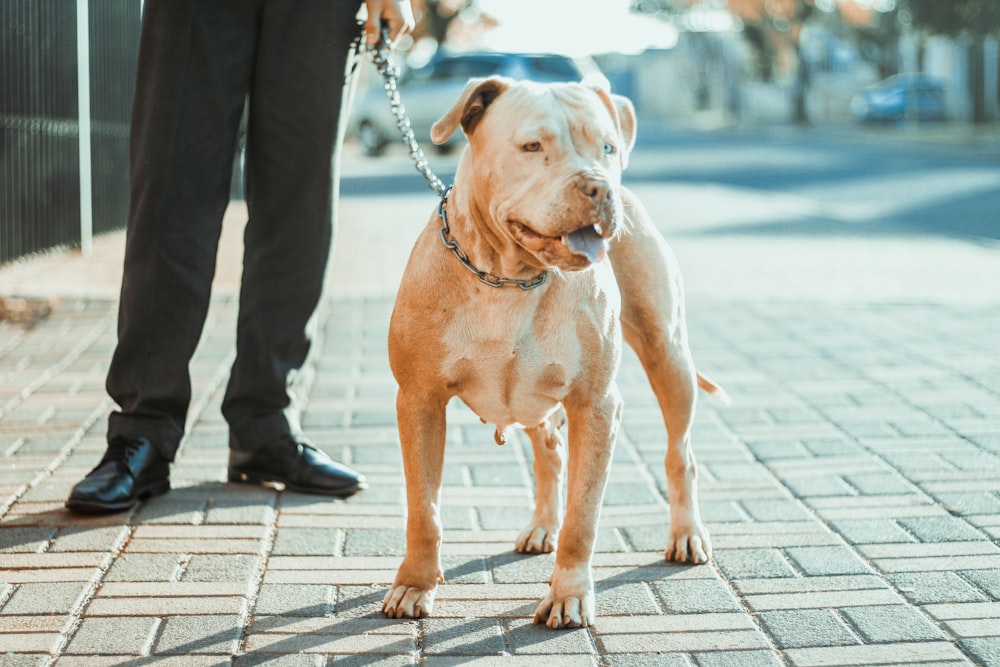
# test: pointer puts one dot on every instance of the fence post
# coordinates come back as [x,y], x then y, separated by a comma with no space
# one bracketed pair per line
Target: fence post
[83,87]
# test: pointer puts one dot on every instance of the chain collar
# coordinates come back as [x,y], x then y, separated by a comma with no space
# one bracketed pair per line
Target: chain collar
[491,279]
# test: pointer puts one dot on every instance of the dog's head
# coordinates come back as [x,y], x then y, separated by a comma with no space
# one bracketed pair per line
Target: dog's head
[546,164]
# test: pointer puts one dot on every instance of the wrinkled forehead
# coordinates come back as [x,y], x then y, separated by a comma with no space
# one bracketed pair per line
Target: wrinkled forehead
[529,106]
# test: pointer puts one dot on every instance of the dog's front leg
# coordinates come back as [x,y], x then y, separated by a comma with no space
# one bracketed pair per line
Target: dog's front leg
[422,437]
[593,430]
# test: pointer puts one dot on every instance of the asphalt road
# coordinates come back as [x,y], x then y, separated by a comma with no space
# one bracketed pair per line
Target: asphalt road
[848,214]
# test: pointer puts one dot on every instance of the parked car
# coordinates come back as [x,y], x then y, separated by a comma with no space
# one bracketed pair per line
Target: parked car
[902,97]
[428,91]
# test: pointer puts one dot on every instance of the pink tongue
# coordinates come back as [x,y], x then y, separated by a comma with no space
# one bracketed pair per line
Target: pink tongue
[588,242]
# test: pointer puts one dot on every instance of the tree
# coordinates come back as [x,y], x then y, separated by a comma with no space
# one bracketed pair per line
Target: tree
[772,29]
[976,19]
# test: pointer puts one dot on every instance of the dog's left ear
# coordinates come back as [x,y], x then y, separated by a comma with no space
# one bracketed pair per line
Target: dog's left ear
[469,109]
[622,110]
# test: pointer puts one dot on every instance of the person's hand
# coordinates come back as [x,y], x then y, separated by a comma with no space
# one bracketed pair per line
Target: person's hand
[396,15]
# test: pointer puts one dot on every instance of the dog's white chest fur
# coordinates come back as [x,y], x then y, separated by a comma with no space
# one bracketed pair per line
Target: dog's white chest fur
[513,363]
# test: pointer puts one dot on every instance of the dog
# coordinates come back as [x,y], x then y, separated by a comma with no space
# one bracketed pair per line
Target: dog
[516,298]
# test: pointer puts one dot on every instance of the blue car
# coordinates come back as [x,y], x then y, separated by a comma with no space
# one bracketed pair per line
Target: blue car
[902,97]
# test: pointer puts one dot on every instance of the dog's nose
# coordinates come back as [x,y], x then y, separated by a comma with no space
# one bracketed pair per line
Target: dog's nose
[598,191]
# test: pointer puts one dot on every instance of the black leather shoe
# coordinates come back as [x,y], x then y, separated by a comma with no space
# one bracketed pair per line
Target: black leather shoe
[130,471]
[297,464]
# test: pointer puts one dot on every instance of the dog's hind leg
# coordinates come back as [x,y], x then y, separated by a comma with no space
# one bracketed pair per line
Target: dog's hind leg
[653,325]
[422,436]
[542,533]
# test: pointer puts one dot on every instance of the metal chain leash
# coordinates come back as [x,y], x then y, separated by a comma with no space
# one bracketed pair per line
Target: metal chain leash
[379,53]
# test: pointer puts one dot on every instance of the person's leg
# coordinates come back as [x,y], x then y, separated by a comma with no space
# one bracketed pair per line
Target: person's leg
[293,140]
[194,70]
[193,73]
[297,102]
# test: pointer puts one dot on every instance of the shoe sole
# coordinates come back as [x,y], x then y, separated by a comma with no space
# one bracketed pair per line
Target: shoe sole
[241,476]
[93,507]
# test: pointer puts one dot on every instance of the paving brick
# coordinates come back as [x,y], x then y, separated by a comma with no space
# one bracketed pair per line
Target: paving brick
[217,634]
[876,654]
[534,639]
[113,636]
[219,568]
[986,580]
[295,600]
[774,510]
[44,598]
[308,541]
[806,627]
[686,641]
[25,539]
[966,610]
[375,543]
[808,584]
[34,642]
[938,564]
[738,659]
[89,539]
[922,588]
[753,564]
[697,596]
[650,659]
[941,529]
[891,623]
[467,636]
[699,622]
[871,531]
[985,650]
[825,561]
[365,644]
[165,606]
[820,599]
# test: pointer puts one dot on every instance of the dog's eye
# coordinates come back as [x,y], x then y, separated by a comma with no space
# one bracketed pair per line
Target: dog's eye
[532,147]
[610,149]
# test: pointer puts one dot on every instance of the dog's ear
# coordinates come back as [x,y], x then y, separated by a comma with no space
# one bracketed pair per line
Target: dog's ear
[468,110]
[622,110]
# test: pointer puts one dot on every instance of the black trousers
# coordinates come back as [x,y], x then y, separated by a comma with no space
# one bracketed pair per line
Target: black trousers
[200,61]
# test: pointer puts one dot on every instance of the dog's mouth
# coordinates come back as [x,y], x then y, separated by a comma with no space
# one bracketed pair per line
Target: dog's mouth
[587,245]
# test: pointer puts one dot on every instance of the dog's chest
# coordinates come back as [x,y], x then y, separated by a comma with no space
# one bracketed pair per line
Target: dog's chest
[511,367]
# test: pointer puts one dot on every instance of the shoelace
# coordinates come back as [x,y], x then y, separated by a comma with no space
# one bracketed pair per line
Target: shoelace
[121,450]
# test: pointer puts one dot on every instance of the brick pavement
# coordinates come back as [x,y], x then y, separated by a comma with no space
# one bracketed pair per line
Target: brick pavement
[851,491]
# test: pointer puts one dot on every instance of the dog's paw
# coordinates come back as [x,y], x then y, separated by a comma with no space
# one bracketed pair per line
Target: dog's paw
[408,602]
[689,545]
[537,540]
[570,600]
[566,612]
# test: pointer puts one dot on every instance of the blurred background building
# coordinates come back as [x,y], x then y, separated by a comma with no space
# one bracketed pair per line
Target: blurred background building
[67,70]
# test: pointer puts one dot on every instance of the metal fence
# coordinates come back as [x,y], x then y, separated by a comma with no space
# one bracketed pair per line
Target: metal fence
[53,55]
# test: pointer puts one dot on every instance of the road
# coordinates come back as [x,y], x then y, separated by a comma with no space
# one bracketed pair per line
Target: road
[784,214]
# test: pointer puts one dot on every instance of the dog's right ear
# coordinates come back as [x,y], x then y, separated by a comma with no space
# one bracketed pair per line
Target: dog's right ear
[469,109]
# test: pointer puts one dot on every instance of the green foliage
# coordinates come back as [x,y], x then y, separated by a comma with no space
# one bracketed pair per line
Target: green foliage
[954,17]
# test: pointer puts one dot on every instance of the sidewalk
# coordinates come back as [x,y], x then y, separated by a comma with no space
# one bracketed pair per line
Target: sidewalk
[852,489]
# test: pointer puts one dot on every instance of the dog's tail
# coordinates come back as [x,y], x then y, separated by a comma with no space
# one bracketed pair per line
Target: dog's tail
[708,386]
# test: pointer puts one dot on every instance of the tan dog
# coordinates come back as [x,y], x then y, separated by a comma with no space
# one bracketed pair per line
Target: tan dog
[536,211]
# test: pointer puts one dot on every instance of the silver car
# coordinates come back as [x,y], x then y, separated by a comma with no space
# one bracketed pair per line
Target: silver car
[428,91]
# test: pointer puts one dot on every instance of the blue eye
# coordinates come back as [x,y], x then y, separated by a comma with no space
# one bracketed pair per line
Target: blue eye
[610,149]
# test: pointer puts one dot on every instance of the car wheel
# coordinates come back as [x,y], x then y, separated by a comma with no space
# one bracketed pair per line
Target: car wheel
[371,139]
